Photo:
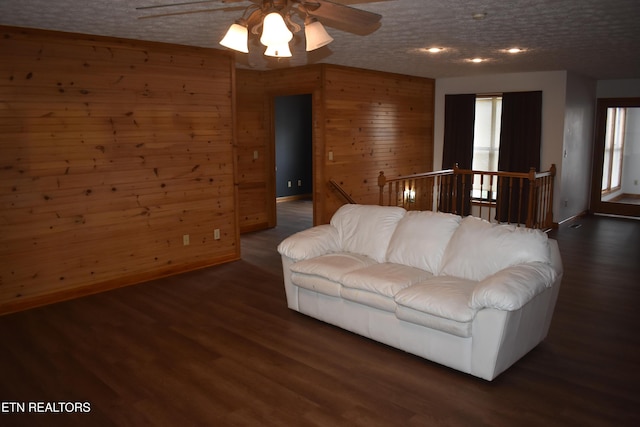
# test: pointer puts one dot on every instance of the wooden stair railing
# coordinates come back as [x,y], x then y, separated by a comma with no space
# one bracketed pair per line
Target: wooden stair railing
[336,187]
[414,192]
[522,198]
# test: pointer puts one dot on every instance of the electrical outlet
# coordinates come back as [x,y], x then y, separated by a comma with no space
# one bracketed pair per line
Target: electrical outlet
[216,234]
[299,183]
[185,240]
[255,155]
[289,184]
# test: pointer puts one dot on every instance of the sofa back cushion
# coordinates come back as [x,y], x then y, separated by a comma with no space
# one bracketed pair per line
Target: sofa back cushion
[366,229]
[421,238]
[479,249]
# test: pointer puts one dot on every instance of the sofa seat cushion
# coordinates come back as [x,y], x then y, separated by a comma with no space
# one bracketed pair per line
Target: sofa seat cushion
[440,302]
[460,329]
[377,284]
[371,299]
[317,284]
[479,248]
[421,238]
[386,279]
[324,273]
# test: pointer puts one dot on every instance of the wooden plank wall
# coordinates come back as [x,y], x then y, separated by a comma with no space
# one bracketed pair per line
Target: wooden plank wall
[369,121]
[110,151]
[253,152]
[256,176]
[374,122]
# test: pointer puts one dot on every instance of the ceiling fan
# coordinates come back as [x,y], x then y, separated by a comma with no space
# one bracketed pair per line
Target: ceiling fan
[272,21]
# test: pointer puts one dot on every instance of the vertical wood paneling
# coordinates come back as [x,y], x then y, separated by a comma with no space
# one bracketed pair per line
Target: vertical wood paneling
[374,121]
[111,150]
[253,155]
[256,91]
[370,121]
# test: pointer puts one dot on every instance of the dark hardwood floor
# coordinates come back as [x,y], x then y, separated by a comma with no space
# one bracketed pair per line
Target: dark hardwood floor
[218,347]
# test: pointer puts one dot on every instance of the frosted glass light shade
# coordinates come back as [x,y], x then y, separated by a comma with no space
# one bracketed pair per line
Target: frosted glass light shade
[274,30]
[237,38]
[316,35]
[278,50]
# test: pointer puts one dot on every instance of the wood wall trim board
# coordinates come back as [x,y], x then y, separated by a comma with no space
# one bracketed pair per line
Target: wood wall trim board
[78,292]
[251,227]
[293,198]
[65,38]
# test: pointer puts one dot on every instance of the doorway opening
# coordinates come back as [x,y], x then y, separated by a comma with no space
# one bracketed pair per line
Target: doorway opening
[293,128]
[616,167]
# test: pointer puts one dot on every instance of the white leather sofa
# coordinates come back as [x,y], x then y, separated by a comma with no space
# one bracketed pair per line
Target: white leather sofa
[462,292]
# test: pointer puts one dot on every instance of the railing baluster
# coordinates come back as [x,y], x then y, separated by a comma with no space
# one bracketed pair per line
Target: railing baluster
[483,199]
[447,189]
[520,194]
[509,205]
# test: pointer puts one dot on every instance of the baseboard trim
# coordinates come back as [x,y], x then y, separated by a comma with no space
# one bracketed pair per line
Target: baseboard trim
[26,303]
[572,218]
[292,198]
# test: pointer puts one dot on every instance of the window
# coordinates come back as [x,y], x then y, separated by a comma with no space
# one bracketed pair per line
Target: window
[486,144]
[613,149]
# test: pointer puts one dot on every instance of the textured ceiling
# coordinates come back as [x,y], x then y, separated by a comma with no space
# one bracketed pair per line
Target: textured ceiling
[596,38]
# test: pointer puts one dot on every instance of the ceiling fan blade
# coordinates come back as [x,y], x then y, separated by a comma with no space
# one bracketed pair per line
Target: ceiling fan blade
[188,12]
[343,16]
[254,18]
[156,6]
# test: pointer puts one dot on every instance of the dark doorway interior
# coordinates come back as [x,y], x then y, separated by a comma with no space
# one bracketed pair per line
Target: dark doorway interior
[293,137]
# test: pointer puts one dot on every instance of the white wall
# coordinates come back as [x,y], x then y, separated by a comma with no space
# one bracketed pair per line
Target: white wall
[553,85]
[575,182]
[624,88]
[568,119]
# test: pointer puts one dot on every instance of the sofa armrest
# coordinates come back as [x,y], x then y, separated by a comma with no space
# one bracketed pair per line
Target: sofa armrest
[511,288]
[310,243]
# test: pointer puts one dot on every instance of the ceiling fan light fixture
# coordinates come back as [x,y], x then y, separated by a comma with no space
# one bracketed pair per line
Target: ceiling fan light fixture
[275,30]
[237,38]
[315,34]
[271,21]
[278,50]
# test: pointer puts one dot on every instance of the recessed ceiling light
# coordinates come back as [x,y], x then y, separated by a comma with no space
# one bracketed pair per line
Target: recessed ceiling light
[479,16]
[476,60]
[433,49]
[515,50]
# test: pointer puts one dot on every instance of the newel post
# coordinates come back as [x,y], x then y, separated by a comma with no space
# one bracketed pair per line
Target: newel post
[531,207]
[382,181]
[454,190]
[549,216]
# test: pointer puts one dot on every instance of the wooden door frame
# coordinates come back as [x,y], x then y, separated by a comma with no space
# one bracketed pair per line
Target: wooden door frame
[597,205]
[271,191]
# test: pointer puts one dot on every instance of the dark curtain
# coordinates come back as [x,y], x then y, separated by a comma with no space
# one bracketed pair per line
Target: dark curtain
[459,122]
[520,134]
